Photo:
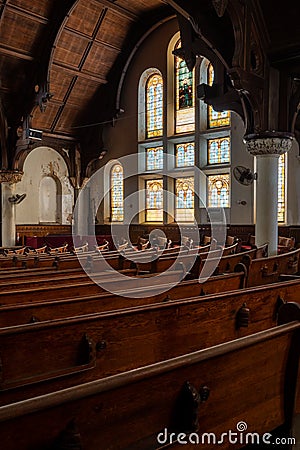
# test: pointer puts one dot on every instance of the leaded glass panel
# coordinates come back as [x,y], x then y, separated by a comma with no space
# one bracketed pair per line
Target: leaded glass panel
[281,188]
[184,98]
[218,191]
[184,190]
[154,200]
[154,106]
[218,150]
[185,154]
[216,119]
[154,158]
[116,193]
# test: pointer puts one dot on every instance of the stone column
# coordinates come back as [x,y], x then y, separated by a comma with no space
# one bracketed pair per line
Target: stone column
[267,147]
[8,180]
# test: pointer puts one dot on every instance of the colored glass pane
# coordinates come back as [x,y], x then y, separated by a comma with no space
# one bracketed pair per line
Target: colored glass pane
[184,190]
[218,191]
[154,200]
[216,119]
[281,188]
[185,155]
[154,158]
[116,193]
[184,98]
[154,105]
[218,150]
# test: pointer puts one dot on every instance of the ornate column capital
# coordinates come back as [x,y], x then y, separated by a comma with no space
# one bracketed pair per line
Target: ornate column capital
[268,143]
[10,176]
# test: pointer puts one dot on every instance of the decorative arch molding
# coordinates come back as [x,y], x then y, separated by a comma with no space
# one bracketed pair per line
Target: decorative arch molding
[19,160]
[45,162]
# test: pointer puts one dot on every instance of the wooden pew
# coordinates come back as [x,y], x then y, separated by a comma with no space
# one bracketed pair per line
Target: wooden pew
[40,357]
[268,270]
[212,390]
[44,309]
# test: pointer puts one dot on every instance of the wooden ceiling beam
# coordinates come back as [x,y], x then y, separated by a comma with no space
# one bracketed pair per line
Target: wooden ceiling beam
[118,9]
[77,72]
[26,14]
[11,51]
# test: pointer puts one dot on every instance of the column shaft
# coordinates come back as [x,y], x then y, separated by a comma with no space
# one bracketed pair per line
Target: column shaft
[266,228]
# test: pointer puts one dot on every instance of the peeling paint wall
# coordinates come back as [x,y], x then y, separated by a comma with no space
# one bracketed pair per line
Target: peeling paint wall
[40,163]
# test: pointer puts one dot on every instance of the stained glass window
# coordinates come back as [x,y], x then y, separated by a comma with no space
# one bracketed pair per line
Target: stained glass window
[218,191]
[281,188]
[184,189]
[154,200]
[184,98]
[154,158]
[185,155]
[216,119]
[116,193]
[218,150]
[154,105]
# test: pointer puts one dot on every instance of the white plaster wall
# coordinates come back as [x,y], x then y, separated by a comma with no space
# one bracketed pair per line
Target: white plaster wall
[42,162]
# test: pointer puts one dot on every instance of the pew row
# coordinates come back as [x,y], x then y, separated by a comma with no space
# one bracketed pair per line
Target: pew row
[190,399]
[58,308]
[80,349]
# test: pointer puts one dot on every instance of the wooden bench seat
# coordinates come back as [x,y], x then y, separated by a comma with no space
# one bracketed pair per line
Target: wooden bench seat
[84,348]
[208,391]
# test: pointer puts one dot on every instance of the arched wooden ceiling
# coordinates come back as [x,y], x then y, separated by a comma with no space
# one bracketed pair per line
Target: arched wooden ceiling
[81,47]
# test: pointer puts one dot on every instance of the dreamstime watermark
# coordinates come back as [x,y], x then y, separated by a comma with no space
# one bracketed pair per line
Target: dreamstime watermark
[96,192]
[239,436]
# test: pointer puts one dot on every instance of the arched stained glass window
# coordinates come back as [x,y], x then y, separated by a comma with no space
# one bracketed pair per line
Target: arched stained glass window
[154,106]
[184,189]
[184,98]
[154,200]
[185,154]
[218,150]
[116,193]
[154,158]
[218,191]
[216,119]
[281,187]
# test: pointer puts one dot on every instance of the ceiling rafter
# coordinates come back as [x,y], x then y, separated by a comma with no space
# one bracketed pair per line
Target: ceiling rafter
[12,51]
[118,9]
[27,14]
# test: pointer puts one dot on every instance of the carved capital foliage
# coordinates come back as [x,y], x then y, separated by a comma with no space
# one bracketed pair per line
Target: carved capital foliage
[268,143]
[10,176]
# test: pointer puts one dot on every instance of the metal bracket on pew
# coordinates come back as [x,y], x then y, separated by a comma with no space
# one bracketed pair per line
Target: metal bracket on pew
[293,263]
[87,361]
[187,407]
[242,317]
[265,273]
[34,319]
[241,267]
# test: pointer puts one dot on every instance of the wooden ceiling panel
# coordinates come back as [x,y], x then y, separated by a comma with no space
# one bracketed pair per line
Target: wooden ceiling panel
[112,30]
[67,120]
[82,92]
[140,6]
[39,7]
[60,82]
[43,121]
[19,32]
[84,17]
[70,49]
[100,60]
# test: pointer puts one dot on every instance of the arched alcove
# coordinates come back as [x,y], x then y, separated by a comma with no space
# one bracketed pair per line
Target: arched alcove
[50,200]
